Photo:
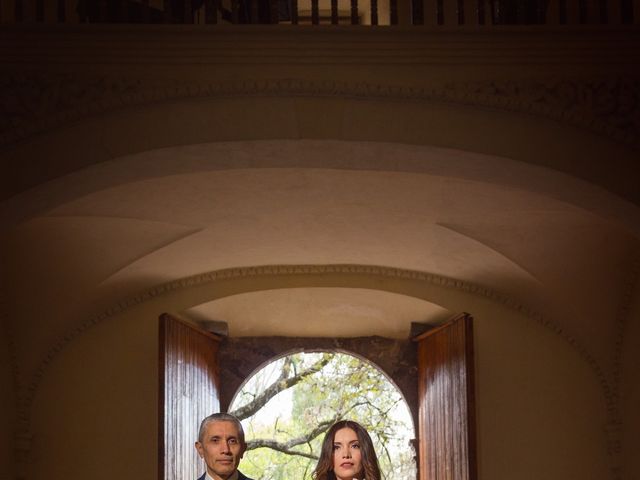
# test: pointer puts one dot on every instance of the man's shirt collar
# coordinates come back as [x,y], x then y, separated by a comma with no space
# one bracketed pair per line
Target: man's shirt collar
[232,477]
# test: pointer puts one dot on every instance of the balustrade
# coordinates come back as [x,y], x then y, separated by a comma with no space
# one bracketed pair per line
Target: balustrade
[433,13]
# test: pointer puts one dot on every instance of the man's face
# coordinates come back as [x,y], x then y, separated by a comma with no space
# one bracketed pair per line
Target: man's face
[221,449]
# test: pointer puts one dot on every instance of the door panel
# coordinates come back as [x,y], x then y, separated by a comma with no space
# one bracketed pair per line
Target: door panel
[447,449]
[189,391]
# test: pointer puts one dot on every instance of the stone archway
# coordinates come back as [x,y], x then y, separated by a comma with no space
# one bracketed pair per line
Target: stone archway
[284,431]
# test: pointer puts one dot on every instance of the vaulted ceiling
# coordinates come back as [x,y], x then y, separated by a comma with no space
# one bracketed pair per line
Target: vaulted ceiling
[550,243]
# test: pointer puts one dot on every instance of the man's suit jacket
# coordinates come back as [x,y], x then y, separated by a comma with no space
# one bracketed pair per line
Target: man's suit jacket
[240,476]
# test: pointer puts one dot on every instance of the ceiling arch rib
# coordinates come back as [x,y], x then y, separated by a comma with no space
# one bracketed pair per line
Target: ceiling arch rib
[191,291]
[314,154]
[444,225]
[256,216]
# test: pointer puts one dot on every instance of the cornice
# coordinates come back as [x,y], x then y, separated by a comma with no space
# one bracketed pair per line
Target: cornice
[36,102]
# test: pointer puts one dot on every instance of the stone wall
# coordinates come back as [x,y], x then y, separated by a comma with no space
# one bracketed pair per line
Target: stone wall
[241,357]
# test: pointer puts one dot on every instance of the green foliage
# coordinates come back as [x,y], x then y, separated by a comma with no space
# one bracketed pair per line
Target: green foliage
[345,388]
[265,463]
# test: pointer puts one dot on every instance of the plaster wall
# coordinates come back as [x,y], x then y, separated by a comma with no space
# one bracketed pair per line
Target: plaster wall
[540,410]
[7,408]
[96,411]
[188,121]
[630,392]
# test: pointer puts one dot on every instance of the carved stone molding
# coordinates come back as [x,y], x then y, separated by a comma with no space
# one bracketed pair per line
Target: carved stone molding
[36,102]
[631,288]
[310,270]
[610,106]
[614,425]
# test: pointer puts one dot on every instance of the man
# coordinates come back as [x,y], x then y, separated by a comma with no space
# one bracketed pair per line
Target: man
[221,445]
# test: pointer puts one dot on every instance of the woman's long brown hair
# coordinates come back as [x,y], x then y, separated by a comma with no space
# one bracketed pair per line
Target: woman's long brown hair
[370,467]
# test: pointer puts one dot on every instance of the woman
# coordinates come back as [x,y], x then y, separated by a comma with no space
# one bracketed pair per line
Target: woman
[347,454]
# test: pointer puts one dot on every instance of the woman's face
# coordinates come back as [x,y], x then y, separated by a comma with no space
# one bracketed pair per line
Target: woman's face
[347,458]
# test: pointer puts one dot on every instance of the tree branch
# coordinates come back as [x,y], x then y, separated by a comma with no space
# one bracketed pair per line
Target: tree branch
[280,447]
[287,447]
[282,383]
[294,442]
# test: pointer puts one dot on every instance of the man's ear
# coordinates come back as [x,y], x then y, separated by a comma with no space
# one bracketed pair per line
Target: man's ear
[198,446]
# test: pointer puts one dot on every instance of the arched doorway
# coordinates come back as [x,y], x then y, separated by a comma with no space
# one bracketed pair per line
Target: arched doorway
[190,387]
[287,405]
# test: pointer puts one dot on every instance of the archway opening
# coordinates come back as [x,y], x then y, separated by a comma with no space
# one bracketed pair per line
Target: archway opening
[287,406]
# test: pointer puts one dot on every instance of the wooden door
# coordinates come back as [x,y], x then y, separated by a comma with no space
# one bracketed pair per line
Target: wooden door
[447,449]
[189,391]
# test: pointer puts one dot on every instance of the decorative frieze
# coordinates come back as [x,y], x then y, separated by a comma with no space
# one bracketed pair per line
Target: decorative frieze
[309,270]
[609,106]
[36,102]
